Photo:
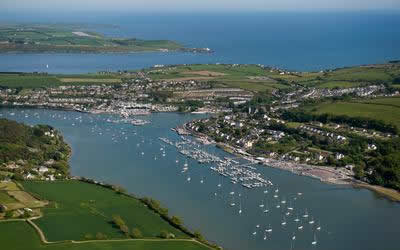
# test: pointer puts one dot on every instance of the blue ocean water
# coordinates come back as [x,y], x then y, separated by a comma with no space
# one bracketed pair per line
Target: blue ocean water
[303,41]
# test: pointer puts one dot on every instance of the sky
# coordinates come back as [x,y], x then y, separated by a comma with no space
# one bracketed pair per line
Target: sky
[194,5]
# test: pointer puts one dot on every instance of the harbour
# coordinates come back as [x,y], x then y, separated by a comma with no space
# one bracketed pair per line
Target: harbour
[278,210]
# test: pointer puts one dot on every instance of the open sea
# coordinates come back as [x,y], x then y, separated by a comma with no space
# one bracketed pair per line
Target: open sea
[301,41]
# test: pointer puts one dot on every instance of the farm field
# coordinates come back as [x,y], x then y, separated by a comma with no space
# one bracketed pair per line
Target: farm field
[338,84]
[92,210]
[247,77]
[258,79]
[13,232]
[367,74]
[382,109]
[29,81]
[12,197]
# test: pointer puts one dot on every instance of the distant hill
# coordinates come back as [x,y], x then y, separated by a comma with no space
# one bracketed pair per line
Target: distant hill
[73,39]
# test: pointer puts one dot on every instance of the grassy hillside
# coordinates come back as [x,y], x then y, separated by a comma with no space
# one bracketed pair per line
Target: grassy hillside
[259,79]
[384,109]
[13,232]
[30,81]
[92,210]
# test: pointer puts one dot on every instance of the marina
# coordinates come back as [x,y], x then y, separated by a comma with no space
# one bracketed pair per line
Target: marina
[242,204]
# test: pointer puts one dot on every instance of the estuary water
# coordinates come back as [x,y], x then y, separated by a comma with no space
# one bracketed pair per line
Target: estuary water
[349,219]
[302,41]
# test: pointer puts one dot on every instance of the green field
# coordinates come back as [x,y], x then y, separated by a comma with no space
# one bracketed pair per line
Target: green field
[368,74]
[45,81]
[385,109]
[68,38]
[21,236]
[338,84]
[5,198]
[258,79]
[247,77]
[79,208]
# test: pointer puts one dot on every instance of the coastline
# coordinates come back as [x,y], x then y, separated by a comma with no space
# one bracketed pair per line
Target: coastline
[325,174]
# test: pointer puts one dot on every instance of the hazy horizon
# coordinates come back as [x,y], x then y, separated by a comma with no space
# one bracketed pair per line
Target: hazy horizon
[196,6]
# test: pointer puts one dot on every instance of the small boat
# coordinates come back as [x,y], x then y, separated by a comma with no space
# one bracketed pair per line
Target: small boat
[254,233]
[188,179]
[240,204]
[276,196]
[283,222]
[219,185]
[297,219]
[305,214]
[269,230]
[311,221]
[257,226]
[299,194]
[278,206]
[293,237]
[319,227]
[265,191]
[315,240]
[233,202]
[265,236]
[300,227]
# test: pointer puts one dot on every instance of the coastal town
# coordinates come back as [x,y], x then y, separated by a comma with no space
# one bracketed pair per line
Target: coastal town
[265,128]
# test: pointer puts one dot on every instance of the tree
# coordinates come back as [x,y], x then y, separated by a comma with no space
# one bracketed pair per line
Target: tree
[18,177]
[88,236]
[124,229]
[101,236]
[9,214]
[164,234]
[117,220]
[136,233]
[199,236]
[176,220]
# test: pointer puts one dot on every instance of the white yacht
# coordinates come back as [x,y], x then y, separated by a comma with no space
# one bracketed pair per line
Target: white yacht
[315,240]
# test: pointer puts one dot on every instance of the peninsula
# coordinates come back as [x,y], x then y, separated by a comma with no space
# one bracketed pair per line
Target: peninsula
[35,38]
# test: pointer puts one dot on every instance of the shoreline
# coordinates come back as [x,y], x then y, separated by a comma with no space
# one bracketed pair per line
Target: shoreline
[325,174]
[322,173]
